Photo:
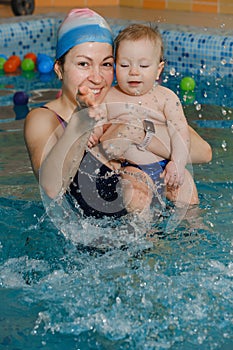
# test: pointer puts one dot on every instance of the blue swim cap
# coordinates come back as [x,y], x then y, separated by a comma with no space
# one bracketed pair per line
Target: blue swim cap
[81,26]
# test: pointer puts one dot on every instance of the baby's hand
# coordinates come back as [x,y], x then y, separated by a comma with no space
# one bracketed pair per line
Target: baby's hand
[173,175]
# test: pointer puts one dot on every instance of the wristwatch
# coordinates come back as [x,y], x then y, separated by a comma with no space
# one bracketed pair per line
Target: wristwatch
[150,131]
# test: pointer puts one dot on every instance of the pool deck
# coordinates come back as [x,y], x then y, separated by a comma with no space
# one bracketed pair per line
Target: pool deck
[172,17]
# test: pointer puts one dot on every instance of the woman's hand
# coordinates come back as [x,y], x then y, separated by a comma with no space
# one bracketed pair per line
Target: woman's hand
[118,138]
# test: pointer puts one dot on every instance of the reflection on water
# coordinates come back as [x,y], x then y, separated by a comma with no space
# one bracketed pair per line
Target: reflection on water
[168,290]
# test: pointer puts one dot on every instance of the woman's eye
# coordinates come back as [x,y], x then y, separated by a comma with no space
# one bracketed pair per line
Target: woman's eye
[83,64]
[108,64]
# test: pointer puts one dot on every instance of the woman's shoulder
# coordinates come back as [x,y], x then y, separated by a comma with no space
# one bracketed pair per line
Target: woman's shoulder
[41,118]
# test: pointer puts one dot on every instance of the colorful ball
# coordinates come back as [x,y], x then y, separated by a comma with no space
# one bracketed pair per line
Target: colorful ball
[188,97]
[3,56]
[27,64]
[20,98]
[15,59]
[12,64]
[187,84]
[44,63]
[31,55]
[2,61]
[20,111]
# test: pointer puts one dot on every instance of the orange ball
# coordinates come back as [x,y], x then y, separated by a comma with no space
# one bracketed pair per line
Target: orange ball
[10,66]
[32,56]
[15,59]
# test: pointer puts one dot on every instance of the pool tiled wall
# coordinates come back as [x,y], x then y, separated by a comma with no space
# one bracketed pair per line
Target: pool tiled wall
[206,52]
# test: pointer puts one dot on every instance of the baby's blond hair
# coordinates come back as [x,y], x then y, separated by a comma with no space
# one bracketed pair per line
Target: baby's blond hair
[137,31]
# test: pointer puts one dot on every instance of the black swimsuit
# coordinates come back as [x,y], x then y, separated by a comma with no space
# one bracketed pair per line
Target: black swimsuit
[95,187]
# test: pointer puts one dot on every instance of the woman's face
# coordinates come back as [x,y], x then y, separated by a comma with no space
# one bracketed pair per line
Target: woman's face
[89,64]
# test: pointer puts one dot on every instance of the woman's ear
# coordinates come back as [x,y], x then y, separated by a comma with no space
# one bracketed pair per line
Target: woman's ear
[58,70]
[160,69]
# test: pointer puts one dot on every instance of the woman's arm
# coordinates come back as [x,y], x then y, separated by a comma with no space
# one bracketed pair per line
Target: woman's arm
[200,150]
[56,153]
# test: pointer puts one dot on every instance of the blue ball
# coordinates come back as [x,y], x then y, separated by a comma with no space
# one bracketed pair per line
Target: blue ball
[44,63]
[20,98]
[3,56]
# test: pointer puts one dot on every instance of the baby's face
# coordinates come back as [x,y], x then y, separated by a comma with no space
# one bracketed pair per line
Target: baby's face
[138,66]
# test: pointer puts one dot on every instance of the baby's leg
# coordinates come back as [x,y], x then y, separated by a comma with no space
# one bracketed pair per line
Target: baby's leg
[137,189]
[184,195]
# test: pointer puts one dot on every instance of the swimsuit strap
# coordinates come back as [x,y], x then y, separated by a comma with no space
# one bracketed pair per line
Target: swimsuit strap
[59,118]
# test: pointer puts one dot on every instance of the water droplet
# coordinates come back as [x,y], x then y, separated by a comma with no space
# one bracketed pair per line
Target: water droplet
[118,300]
[172,71]
[224,112]
[224,145]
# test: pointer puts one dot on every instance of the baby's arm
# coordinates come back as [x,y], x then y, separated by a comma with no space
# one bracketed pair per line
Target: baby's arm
[180,142]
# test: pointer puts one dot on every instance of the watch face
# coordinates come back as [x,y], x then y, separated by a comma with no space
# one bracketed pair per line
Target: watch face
[148,126]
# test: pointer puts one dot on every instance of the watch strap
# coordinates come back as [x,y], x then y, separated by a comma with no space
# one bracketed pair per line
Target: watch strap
[147,139]
[150,131]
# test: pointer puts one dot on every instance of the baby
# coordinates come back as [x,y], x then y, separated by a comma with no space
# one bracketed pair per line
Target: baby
[139,101]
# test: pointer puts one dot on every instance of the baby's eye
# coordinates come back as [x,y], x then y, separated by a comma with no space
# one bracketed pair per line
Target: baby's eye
[124,65]
[144,65]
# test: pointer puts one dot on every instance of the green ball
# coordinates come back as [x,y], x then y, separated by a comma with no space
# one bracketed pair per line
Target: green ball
[187,97]
[27,64]
[2,61]
[187,84]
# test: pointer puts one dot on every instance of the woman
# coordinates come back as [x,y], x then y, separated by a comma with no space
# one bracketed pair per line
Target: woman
[56,137]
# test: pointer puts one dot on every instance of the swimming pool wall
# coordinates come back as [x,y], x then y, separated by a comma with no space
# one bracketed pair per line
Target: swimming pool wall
[204,51]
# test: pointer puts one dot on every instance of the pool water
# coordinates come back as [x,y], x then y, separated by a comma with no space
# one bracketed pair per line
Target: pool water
[167,290]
